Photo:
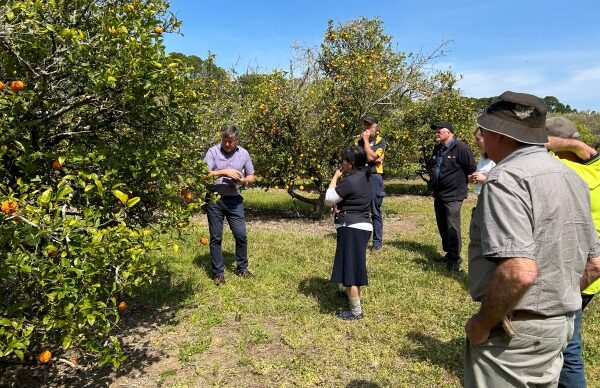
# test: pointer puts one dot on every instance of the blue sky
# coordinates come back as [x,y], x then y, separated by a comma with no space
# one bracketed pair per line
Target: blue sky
[549,47]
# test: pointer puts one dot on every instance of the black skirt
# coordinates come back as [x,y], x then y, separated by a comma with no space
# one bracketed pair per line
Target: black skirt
[350,264]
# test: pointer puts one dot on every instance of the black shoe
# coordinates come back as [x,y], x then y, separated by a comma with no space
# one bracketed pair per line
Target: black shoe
[246,274]
[453,266]
[442,259]
[349,316]
[219,280]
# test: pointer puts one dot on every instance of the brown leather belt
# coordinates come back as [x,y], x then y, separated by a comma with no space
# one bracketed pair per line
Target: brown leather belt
[527,315]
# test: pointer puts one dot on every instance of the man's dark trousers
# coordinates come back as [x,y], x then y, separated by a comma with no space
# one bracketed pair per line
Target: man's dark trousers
[447,215]
[376,216]
[232,209]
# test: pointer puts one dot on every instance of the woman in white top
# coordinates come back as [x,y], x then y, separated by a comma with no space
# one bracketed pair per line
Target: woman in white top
[484,166]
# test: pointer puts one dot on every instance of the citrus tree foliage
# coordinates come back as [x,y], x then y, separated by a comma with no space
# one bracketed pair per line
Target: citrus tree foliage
[296,122]
[95,126]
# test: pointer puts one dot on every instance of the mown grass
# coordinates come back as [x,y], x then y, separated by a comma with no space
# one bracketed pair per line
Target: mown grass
[280,330]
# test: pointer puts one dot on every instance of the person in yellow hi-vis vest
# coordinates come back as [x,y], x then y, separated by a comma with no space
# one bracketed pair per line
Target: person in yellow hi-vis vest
[585,161]
[374,146]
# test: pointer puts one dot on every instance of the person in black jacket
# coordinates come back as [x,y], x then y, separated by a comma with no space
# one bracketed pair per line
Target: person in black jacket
[451,163]
[350,194]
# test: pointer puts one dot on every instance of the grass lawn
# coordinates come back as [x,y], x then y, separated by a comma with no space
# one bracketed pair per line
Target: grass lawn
[280,330]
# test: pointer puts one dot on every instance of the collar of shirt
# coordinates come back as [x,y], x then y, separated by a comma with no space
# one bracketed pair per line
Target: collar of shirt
[229,154]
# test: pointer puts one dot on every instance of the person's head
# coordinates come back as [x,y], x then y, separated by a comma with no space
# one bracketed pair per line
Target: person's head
[229,138]
[353,158]
[566,129]
[479,142]
[512,120]
[561,127]
[370,123]
[444,132]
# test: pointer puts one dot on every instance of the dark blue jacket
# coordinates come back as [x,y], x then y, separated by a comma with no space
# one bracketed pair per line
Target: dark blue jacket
[450,167]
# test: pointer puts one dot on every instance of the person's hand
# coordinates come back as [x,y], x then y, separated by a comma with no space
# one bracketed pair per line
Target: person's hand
[337,174]
[233,174]
[334,208]
[476,332]
[477,177]
[366,135]
[584,151]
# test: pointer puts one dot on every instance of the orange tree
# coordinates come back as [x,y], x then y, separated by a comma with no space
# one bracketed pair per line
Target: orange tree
[95,123]
[296,122]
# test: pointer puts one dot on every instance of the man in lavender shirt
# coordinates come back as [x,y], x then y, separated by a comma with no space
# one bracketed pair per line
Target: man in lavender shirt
[232,166]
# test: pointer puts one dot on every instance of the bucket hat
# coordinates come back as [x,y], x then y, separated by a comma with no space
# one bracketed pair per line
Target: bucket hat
[519,116]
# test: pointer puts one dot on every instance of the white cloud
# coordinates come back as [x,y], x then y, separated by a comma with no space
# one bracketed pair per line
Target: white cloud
[563,75]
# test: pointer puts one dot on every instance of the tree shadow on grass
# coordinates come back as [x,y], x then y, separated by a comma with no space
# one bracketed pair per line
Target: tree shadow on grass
[407,188]
[324,292]
[204,261]
[362,384]
[448,355]
[153,306]
[427,256]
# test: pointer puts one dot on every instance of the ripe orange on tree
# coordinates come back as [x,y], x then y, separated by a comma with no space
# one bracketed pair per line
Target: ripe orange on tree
[9,207]
[45,356]
[185,193]
[56,165]
[203,240]
[1,86]
[17,86]
[158,30]
[122,306]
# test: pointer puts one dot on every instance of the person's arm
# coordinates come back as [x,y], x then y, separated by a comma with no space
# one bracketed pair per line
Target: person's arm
[591,273]
[248,180]
[371,155]
[579,148]
[228,172]
[466,159]
[331,196]
[509,282]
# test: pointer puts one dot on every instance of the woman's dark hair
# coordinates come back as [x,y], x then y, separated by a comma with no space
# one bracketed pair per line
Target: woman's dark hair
[357,157]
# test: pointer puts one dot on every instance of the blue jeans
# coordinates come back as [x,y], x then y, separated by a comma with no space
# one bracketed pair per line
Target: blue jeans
[572,374]
[232,209]
[376,216]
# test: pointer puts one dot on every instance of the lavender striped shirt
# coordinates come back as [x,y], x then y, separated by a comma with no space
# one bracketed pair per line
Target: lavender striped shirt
[217,159]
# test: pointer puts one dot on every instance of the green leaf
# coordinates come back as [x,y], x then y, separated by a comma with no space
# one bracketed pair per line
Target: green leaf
[131,202]
[62,193]
[44,199]
[121,195]
[66,342]
[19,353]
[98,184]
[5,322]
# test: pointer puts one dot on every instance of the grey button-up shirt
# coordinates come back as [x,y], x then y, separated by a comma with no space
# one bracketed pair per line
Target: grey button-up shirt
[533,206]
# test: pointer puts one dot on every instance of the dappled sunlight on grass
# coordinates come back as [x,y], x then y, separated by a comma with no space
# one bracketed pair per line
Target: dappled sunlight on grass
[280,329]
